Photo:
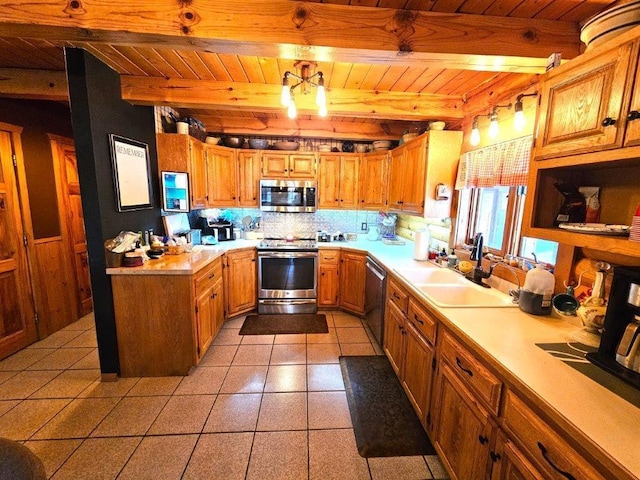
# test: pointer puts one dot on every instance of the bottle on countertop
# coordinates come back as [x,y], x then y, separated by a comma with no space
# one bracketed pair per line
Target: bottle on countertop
[452,259]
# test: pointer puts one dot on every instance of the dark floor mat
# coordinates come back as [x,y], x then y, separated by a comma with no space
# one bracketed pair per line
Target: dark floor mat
[284,324]
[384,421]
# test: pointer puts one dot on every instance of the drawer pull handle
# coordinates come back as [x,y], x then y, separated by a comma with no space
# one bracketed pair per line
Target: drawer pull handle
[465,370]
[495,457]
[633,115]
[543,450]
[396,296]
[608,122]
[211,276]
[482,439]
[415,317]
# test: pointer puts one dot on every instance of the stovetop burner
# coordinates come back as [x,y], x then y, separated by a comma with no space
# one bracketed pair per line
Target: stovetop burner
[284,244]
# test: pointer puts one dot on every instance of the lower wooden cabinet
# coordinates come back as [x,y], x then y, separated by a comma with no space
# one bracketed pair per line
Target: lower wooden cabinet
[417,370]
[209,315]
[394,337]
[328,278]
[509,463]
[464,431]
[240,272]
[352,278]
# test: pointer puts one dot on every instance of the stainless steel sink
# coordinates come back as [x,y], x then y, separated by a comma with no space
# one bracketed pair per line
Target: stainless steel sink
[465,295]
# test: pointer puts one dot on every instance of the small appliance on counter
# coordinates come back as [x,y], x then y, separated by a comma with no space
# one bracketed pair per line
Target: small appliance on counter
[619,351]
[221,230]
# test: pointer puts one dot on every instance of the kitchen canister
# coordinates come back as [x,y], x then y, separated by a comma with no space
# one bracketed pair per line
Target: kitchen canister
[421,245]
[537,292]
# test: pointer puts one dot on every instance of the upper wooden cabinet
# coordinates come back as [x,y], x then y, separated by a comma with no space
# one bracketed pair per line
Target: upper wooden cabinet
[417,167]
[222,182]
[338,180]
[584,106]
[248,178]
[182,153]
[288,165]
[372,181]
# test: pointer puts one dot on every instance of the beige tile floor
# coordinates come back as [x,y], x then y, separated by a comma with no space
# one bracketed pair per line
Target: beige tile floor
[257,407]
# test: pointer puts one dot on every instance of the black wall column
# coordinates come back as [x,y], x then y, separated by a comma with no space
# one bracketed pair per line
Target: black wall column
[97,110]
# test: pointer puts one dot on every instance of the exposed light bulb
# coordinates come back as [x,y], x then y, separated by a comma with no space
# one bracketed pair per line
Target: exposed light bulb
[519,120]
[322,110]
[494,128]
[321,97]
[291,109]
[285,96]
[474,139]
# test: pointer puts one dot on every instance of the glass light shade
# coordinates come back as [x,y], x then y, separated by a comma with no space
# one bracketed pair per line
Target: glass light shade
[321,97]
[475,136]
[292,112]
[322,110]
[519,120]
[494,128]
[285,96]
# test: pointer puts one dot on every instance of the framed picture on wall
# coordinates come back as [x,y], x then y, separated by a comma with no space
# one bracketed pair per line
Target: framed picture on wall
[131,173]
[175,191]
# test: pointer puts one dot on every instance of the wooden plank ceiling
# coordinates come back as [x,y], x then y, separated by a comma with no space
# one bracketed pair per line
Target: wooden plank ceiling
[387,64]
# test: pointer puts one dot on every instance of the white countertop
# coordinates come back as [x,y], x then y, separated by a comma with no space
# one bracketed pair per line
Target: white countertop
[507,337]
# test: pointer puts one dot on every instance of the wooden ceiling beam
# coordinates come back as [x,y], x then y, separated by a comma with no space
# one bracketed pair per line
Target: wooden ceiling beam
[253,97]
[34,84]
[301,30]
[318,128]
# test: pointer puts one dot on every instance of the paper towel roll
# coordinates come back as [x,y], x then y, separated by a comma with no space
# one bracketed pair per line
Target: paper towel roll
[421,245]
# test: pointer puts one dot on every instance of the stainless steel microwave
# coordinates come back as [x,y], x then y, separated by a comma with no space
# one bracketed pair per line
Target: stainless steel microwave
[288,195]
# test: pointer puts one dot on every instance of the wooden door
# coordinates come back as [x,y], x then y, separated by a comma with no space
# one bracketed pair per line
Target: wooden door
[576,102]
[70,207]
[509,463]
[205,320]
[221,177]
[17,316]
[352,278]
[275,165]
[396,176]
[241,281]
[413,180]
[302,165]
[248,179]
[632,135]
[349,181]
[417,371]
[464,432]
[329,181]
[217,306]
[394,336]
[373,181]
[198,174]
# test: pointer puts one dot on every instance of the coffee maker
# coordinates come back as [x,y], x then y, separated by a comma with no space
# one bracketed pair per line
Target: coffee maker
[619,351]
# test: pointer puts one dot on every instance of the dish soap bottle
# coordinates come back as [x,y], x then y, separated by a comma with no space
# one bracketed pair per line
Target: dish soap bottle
[537,292]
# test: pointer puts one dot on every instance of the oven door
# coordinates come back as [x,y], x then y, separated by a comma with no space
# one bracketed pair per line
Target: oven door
[287,274]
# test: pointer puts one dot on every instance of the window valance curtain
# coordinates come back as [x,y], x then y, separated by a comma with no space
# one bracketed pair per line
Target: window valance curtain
[504,164]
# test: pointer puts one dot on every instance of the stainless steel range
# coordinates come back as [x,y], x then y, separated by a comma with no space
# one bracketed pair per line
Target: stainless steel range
[287,276]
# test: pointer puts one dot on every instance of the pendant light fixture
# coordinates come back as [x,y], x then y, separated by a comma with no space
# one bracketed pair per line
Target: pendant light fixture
[305,79]
[519,120]
[494,128]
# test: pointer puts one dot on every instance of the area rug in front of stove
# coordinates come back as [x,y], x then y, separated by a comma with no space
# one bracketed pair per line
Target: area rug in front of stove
[284,324]
[384,421]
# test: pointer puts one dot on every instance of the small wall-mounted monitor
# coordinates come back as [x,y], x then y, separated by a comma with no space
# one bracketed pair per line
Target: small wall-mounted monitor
[175,191]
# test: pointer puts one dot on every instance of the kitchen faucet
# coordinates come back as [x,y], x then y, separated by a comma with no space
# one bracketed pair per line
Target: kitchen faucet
[477,275]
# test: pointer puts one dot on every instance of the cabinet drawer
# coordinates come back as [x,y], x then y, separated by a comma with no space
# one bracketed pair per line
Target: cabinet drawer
[398,296]
[329,257]
[485,384]
[422,321]
[552,454]
[206,277]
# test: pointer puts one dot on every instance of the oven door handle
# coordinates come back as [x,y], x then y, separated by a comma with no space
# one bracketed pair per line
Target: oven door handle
[288,255]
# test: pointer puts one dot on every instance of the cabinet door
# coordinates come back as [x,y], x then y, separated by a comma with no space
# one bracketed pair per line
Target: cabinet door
[393,338]
[329,181]
[417,370]
[248,179]
[240,274]
[328,285]
[352,278]
[464,431]
[396,176]
[275,164]
[509,463]
[302,165]
[632,135]
[222,182]
[373,181]
[217,306]
[198,174]
[413,178]
[205,320]
[577,101]
[349,181]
